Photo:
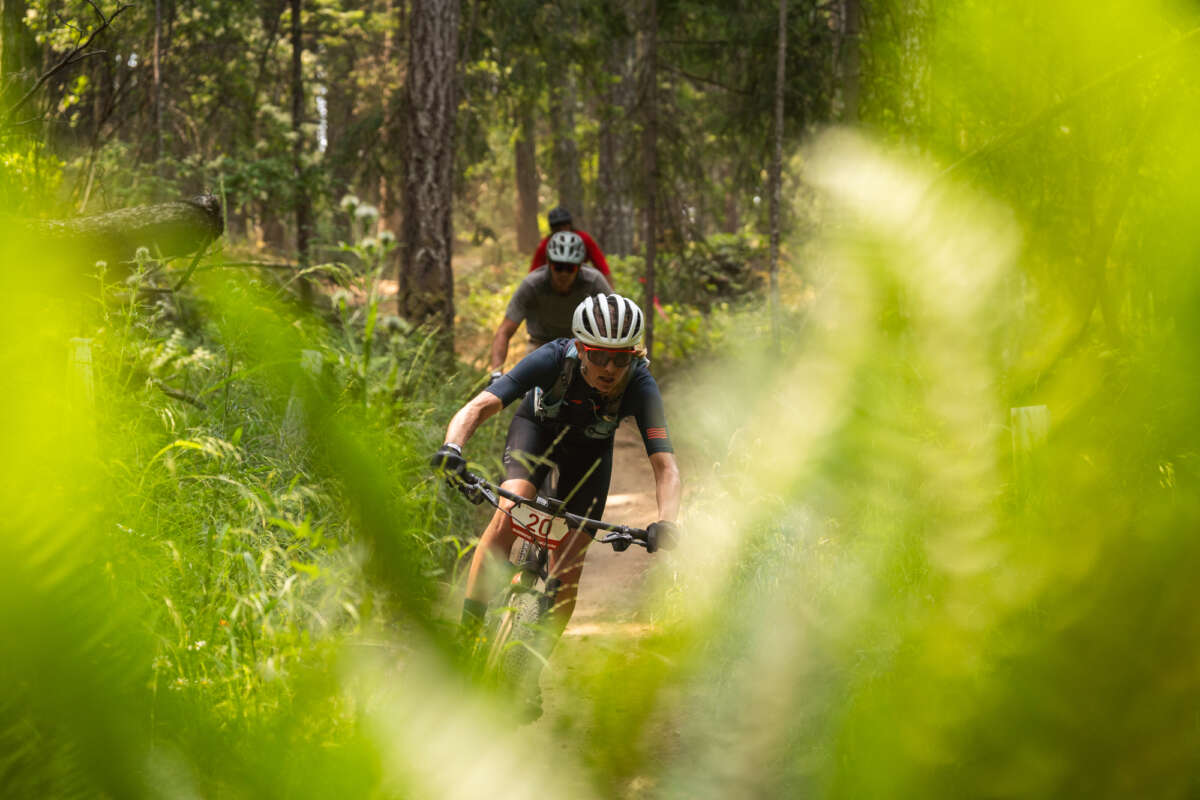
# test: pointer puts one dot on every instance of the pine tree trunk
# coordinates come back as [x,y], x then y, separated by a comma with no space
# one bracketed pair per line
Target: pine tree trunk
[566,151]
[342,95]
[18,53]
[302,201]
[527,181]
[426,281]
[777,174]
[650,156]
[849,52]
[157,89]
[614,226]
[389,210]
[731,217]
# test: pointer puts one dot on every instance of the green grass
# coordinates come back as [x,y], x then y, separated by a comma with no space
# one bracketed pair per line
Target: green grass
[244,599]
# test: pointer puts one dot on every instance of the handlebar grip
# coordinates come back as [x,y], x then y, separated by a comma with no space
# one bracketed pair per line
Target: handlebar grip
[468,486]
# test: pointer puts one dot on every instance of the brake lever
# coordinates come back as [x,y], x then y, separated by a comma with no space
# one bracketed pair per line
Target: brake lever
[474,492]
[620,541]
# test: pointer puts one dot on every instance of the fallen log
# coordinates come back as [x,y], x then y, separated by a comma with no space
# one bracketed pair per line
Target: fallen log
[166,230]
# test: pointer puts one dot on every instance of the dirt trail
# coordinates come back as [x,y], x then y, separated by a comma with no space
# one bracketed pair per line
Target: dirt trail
[611,620]
[612,589]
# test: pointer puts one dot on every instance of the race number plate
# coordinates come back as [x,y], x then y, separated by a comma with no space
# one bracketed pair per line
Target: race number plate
[539,527]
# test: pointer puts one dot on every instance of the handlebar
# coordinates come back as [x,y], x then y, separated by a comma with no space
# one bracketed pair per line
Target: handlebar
[477,489]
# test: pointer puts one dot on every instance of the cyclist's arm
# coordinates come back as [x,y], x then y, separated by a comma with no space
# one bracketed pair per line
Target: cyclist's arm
[519,307]
[645,404]
[504,333]
[668,486]
[463,424]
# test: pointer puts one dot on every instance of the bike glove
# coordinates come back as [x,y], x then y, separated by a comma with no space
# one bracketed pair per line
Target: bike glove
[448,460]
[662,535]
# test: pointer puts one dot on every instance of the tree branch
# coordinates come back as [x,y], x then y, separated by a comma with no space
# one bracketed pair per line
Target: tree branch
[70,58]
[699,79]
[178,394]
[82,56]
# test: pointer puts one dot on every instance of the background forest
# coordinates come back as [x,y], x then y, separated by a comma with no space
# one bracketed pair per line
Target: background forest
[884,235]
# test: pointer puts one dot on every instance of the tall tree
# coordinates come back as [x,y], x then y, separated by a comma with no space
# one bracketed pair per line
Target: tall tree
[525,164]
[849,57]
[614,217]
[388,207]
[302,199]
[426,282]
[569,181]
[17,51]
[650,161]
[777,173]
[158,113]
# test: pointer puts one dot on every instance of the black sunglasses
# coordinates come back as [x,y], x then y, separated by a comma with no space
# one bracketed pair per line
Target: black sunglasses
[563,266]
[601,357]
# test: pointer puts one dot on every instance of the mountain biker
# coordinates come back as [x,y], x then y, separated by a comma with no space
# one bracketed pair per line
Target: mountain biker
[547,297]
[559,219]
[587,384]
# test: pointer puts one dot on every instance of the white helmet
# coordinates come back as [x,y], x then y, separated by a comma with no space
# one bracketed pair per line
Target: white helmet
[566,246]
[608,320]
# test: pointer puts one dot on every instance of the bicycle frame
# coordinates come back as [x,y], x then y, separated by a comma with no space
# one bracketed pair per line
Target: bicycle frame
[518,637]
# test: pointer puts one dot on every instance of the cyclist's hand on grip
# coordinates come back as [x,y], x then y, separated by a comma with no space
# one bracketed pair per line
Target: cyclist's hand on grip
[662,535]
[448,461]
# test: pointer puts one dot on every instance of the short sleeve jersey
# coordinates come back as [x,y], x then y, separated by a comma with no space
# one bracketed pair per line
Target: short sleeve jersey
[546,313]
[641,399]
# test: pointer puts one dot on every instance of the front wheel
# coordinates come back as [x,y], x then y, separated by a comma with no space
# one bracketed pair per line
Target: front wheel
[511,654]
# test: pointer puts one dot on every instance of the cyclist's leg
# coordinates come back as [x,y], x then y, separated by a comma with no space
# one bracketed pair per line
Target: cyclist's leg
[584,482]
[488,573]
[485,576]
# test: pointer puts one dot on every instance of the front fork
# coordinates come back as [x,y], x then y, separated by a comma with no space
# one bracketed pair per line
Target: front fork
[526,579]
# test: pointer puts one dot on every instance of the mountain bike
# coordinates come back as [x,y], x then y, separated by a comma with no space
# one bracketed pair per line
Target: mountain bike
[516,639]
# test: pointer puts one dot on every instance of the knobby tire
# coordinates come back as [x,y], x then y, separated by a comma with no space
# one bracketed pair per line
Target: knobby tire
[511,654]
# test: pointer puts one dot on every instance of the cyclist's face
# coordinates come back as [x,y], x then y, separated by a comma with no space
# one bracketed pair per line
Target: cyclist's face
[562,276]
[600,365]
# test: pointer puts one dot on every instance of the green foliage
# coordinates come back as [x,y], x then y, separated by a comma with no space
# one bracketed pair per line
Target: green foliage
[225,564]
[29,178]
[683,334]
[703,292]
[251,542]
[481,299]
[219,496]
[722,268]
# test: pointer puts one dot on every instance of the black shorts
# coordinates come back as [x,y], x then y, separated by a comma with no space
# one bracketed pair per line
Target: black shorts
[584,468]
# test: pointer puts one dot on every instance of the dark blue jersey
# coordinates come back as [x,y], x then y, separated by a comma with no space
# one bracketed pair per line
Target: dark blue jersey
[582,405]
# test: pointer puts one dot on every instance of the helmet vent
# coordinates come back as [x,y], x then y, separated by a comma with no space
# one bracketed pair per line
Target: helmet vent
[608,321]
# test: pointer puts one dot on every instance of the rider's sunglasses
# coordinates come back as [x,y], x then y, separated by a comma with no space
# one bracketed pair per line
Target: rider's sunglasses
[563,266]
[600,357]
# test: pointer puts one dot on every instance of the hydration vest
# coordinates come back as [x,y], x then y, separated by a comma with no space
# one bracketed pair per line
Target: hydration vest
[548,404]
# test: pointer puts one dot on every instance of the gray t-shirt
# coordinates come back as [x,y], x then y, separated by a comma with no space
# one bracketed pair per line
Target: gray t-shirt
[547,314]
